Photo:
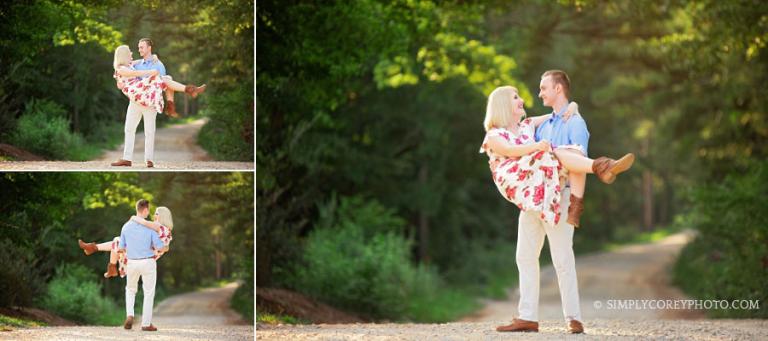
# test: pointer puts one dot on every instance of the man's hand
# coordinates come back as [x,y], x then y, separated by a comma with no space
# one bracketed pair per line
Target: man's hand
[153,73]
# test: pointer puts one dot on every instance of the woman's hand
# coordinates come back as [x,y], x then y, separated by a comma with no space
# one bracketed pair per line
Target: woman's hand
[153,73]
[543,145]
[493,164]
[135,218]
[573,108]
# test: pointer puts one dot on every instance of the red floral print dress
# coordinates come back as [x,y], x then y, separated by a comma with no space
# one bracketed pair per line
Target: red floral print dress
[533,182]
[122,261]
[147,91]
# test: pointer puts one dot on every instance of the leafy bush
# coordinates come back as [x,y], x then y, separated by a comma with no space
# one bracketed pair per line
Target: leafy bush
[44,129]
[729,258]
[74,293]
[357,262]
[19,278]
[229,133]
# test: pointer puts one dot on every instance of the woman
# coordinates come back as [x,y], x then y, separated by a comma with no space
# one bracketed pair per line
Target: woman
[528,173]
[147,91]
[162,224]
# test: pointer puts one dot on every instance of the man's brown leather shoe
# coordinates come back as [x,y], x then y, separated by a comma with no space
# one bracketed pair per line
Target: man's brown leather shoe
[128,324]
[150,328]
[606,169]
[575,327]
[150,164]
[88,248]
[120,163]
[111,270]
[519,325]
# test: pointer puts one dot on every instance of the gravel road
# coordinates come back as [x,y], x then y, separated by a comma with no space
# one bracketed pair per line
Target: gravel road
[201,315]
[175,149]
[627,273]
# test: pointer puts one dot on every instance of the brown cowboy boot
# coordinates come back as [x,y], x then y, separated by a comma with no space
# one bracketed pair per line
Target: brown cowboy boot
[194,90]
[574,210]
[606,169]
[519,325]
[111,270]
[88,248]
[170,109]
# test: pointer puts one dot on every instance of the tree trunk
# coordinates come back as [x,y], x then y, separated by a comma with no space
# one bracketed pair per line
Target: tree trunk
[647,189]
[423,220]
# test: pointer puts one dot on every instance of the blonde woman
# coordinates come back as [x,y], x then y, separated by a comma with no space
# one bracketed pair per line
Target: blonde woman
[529,173]
[162,224]
[146,87]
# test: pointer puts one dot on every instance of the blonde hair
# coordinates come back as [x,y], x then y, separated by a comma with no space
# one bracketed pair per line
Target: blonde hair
[498,113]
[122,56]
[166,219]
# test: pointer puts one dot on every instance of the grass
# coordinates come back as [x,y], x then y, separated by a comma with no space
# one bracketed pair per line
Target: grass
[641,238]
[8,323]
[274,319]
[444,306]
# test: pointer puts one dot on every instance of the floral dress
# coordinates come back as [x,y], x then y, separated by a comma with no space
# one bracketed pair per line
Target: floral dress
[533,182]
[147,91]
[122,261]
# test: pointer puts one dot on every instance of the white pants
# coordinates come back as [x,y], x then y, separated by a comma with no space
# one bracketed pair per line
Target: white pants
[132,118]
[530,239]
[147,270]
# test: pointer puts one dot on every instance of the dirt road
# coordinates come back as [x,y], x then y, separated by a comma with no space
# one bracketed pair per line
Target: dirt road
[176,148]
[201,315]
[630,272]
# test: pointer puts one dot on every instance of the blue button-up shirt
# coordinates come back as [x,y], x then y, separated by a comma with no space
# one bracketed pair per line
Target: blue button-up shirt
[139,240]
[145,64]
[558,133]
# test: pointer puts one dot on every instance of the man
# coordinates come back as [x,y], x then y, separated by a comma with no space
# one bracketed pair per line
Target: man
[139,244]
[554,92]
[137,111]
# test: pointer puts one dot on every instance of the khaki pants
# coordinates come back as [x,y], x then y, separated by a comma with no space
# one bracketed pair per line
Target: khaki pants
[147,270]
[133,116]
[531,231]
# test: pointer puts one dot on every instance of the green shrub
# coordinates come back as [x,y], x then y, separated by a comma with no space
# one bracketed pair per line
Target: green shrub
[43,129]
[229,133]
[729,258]
[75,294]
[18,278]
[359,263]
[242,300]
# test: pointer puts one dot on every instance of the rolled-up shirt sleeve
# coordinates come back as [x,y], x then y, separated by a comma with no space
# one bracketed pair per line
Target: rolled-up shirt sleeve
[578,133]
[161,68]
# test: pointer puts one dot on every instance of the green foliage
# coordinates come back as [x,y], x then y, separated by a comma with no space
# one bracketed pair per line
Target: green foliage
[360,265]
[44,130]
[243,300]
[7,323]
[229,133]
[731,251]
[19,281]
[75,294]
